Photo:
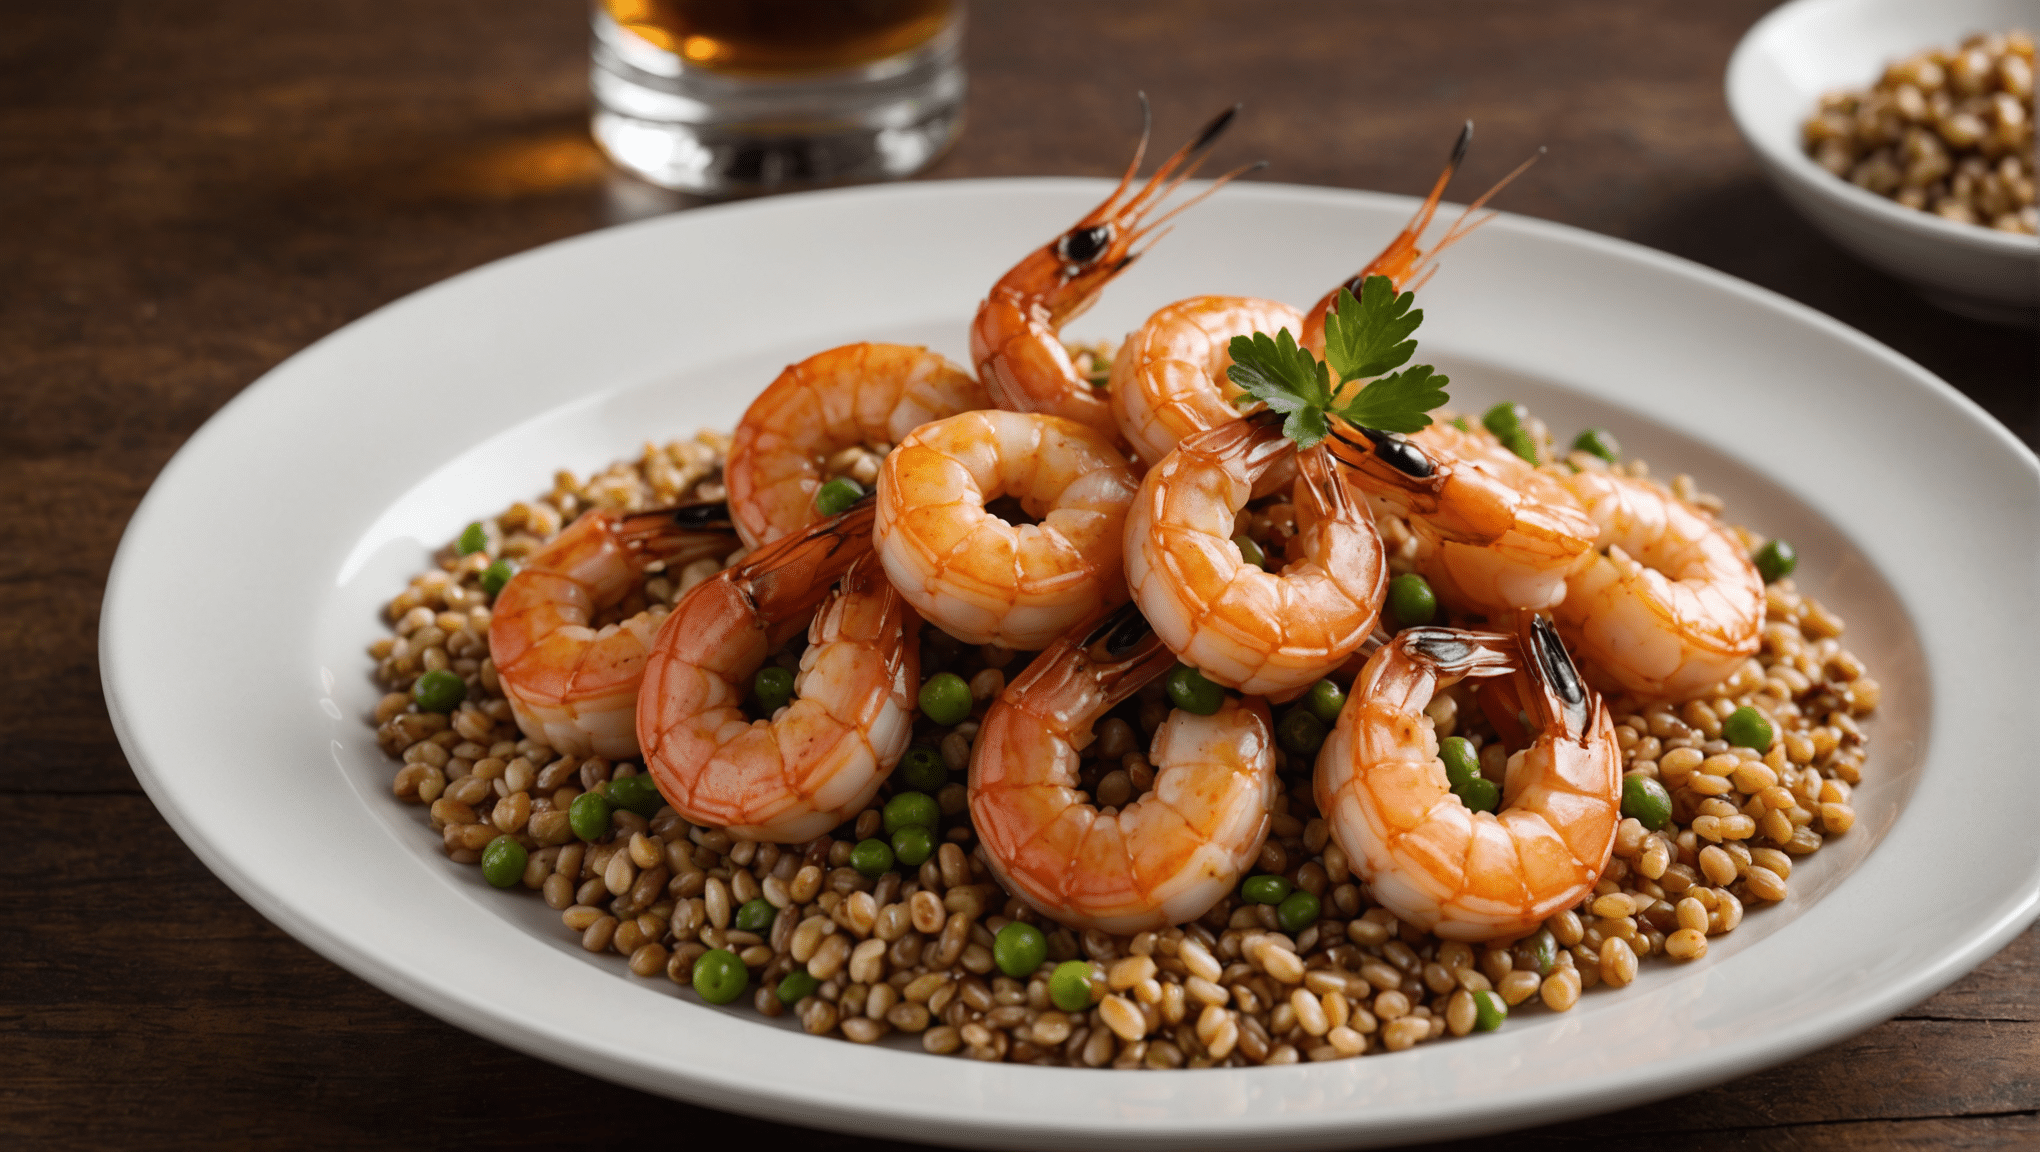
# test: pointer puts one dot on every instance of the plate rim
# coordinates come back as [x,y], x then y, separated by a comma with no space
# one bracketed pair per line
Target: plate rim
[1706,1068]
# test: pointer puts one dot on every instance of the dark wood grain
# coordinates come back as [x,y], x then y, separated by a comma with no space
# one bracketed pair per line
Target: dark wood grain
[194,190]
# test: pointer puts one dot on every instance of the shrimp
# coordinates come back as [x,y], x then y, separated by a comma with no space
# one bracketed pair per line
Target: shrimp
[1405,264]
[844,397]
[1670,606]
[1169,379]
[573,687]
[1260,632]
[978,577]
[1462,874]
[1014,339]
[1164,859]
[819,760]
[1493,535]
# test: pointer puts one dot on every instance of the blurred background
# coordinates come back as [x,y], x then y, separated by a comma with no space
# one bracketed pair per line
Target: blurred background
[197,189]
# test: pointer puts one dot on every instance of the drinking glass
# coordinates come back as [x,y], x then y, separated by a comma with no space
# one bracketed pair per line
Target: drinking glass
[732,97]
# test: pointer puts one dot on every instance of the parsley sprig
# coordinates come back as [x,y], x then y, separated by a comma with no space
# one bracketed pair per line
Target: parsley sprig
[1364,337]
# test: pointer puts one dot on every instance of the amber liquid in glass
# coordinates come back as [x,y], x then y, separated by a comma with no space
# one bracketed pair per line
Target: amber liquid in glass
[781,37]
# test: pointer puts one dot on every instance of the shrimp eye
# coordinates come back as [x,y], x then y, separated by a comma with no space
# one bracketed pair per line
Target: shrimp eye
[1400,454]
[1119,632]
[1083,245]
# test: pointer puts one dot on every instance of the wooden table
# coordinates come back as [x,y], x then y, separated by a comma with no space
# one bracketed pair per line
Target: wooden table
[195,190]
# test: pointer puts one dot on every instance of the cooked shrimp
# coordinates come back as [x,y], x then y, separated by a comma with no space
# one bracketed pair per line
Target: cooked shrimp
[1246,628]
[978,577]
[1169,379]
[1014,338]
[1407,266]
[842,398]
[571,686]
[1164,859]
[1670,606]
[1493,534]
[1462,874]
[819,760]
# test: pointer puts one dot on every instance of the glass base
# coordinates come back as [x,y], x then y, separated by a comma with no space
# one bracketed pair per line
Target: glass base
[715,135]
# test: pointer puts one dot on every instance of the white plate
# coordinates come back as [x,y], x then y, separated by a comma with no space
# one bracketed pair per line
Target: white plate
[249,582]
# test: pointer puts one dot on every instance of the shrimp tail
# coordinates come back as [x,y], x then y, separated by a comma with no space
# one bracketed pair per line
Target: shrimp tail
[680,535]
[1101,661]
[785,580]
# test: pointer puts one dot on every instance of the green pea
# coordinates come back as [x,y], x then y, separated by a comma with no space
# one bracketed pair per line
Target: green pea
[913,844]
[912,808]
[719,977]
[1489,1010]
[1411,599]
[1521,444]
[588,816]
[756,915]
[473,538]
[496,575]
[1646,801]
[796,986]
[1070,985]
[1479,794]
[503,861]
[1300,732]
[874,858]
[1462,763]
[1543,947]
[1265,889]
[772,687]
[1598,442]
[836,497]
[1250,551]
[440,690]
[636,794]
[1776,560]
[1504,418]
[1190,691]
[1019,949]
[1298,910]
[922,770]
[1747,728]
[1325,700]
[945,699]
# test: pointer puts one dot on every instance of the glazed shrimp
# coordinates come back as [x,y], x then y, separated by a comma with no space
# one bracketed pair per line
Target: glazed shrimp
[1164,859]
[1169,380]
[1013,340]
[1407,266]
[844,397]
[1462,874]
[1493,534]
[818,761]
[1670,605]
[1257,631]
[571,686]
[984,580]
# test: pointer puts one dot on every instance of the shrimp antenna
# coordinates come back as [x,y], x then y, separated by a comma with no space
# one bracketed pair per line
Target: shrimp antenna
[1157,228]
[1465,224]
[1179,167]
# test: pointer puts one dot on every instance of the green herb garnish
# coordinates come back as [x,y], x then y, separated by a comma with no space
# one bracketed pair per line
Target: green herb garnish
[1364,337]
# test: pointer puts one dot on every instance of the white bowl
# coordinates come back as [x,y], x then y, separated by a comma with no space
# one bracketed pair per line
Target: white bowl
[1806,48]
